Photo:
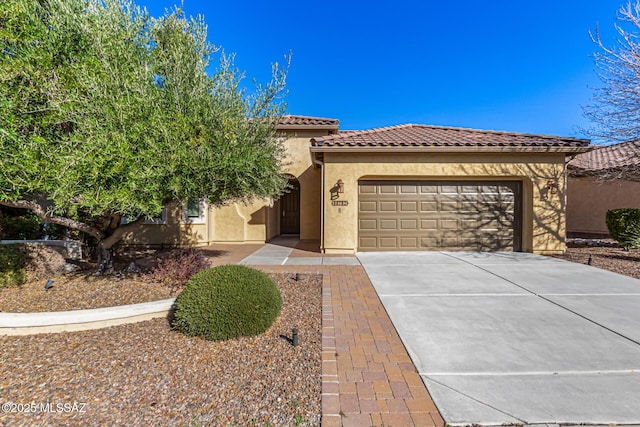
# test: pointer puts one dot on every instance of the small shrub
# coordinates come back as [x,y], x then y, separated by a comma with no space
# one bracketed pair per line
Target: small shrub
[228,301]
[12,262]
[177,266]
[624,226]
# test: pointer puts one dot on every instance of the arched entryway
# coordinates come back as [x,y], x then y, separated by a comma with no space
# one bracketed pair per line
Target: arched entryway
[290,208]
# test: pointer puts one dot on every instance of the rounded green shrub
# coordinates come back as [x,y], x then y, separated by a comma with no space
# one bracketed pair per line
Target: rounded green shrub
[225,302]
[624,226]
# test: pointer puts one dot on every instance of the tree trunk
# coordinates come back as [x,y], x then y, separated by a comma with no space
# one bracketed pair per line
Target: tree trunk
[105,245]
[105,260]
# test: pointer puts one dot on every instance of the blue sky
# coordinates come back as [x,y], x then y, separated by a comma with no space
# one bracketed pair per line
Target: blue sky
[500,65]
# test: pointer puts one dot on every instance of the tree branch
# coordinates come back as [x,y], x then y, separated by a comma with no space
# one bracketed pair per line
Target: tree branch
[41,213]
[120,231]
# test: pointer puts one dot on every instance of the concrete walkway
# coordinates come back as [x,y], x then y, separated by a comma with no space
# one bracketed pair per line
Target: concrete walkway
[283,252]
[516,338]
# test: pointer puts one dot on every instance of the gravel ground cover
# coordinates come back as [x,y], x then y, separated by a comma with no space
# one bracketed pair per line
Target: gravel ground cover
[608,257]
[80,291]
[145,374]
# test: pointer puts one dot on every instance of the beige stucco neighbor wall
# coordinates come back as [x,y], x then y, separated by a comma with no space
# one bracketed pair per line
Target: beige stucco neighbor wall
[543,219]
[589,200]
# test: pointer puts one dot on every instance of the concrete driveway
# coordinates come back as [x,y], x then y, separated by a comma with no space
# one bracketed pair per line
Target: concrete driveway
[515,337]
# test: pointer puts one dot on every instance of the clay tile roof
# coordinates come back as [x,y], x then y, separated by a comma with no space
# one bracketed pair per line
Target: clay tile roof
[412,135]
[617,156]
[290,120]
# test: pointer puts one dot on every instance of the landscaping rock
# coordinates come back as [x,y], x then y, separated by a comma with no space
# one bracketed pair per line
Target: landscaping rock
[145,374]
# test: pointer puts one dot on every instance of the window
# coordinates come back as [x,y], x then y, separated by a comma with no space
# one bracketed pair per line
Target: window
[194,212]
[193,208]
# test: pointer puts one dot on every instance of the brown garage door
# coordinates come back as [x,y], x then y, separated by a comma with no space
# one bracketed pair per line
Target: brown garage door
[439,215]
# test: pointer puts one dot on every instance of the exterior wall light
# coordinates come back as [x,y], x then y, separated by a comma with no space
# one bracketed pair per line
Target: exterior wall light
[552,186]
[340,185]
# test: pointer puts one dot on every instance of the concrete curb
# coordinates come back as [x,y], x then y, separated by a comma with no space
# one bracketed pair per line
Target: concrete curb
[82,320]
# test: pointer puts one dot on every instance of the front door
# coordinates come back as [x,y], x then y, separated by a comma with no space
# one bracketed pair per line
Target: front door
[290,209]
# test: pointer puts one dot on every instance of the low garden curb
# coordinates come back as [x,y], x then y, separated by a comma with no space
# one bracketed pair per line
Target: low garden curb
[82,320]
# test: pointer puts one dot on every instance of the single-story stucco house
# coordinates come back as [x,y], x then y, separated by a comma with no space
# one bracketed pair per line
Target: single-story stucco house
[407,187]
[605,178]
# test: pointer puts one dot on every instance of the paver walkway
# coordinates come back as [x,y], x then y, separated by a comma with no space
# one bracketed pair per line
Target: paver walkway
[368,378]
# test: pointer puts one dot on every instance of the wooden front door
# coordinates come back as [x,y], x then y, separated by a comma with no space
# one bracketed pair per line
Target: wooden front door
[290,209]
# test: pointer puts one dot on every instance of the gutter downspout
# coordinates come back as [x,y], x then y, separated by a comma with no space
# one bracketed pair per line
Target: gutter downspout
[321,164]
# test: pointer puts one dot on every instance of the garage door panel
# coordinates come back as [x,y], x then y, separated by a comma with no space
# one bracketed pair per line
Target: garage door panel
[448,206]
[449,189]
[368,206]
[388,243]
[428,224]
[388,206]
[409,224]
[368,243]
[428,243]
[408,189]
[367,189]
[429,206]
[408,243]
[388,224]
[368,224]
[449,224]
[388,189]
[428,189]
[470,189]
[410,206]
[433,215]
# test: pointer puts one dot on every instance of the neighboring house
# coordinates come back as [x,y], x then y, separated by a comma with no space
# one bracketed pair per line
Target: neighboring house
[604,178]
[408,187]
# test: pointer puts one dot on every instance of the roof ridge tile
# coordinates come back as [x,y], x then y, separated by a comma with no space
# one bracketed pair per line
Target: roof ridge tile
[411,134]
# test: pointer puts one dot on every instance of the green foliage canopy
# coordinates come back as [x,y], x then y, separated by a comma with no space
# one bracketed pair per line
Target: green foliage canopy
[107,112]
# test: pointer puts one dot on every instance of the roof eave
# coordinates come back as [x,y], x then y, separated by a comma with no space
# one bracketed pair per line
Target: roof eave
[449,149]
[308,127]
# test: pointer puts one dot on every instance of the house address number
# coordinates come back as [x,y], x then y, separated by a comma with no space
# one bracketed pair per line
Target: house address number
[339,203]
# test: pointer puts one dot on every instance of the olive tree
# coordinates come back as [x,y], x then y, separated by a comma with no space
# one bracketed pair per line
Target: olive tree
[106,112]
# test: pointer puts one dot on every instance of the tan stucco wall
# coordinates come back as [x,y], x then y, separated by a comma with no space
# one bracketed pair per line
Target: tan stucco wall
[588,201]
[543,214]
[167,234]
[240,222]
